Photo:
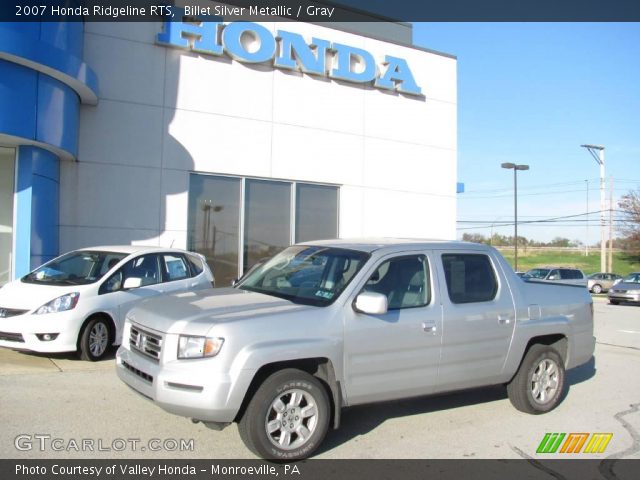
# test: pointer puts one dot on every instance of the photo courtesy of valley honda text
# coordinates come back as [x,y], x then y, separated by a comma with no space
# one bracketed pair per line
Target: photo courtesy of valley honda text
[230,139]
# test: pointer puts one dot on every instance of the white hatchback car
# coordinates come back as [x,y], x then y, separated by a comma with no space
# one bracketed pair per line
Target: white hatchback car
[78,301]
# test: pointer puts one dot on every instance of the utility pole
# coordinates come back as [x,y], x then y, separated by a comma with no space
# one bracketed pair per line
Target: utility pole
[610,269]
[597,152]
[515,203]
[586,241]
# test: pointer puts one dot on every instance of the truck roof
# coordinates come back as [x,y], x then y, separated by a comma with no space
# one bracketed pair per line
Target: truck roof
[372,244]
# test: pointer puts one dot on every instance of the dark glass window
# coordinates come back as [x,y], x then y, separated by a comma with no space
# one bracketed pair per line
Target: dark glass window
[195,264]
[267,220]
[214,223]
[174,267]
[216,206]
[569,274]
[470,277]
[316,212]
[403,280]
[144,267]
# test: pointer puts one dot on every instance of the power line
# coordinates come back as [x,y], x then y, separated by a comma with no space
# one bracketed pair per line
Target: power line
[561,221]
[507,192]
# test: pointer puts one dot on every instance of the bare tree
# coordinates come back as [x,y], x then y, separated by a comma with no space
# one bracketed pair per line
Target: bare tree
[629,205]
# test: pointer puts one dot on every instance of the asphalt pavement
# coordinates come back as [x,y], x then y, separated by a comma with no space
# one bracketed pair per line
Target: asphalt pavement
[60,407]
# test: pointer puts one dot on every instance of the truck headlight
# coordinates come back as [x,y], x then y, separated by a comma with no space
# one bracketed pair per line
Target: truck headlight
[198,347]
[60,304]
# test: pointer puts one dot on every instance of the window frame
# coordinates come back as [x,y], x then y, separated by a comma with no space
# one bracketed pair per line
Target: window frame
[428,278]
[492,267]
[102,289]
[241,265]
[162,270]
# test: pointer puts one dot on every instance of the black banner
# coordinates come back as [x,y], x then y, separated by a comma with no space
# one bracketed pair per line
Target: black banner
[323,10]
[320,469]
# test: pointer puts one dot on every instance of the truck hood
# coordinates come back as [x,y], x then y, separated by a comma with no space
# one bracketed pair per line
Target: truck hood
[29,296]
[194,313]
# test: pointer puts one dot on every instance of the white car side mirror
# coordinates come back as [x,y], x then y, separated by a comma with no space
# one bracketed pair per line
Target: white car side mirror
[132,282]
[371,303]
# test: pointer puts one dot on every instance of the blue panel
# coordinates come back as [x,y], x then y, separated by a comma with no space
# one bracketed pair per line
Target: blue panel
[44,218]
[13,42]
[459,187]
[30,30]
[58,114]
[67,36]
[22,252]
[18,93]
[45,164]
[37,208]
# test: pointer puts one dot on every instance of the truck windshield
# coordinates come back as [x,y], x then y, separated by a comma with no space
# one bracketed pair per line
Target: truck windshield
[311,275]
[75,268]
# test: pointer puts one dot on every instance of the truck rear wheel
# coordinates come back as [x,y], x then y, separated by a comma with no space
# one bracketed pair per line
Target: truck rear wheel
[288,416]
[539,383]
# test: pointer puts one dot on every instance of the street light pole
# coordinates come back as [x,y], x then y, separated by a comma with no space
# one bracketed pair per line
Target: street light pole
[586,241]
[515,203]
[597,152]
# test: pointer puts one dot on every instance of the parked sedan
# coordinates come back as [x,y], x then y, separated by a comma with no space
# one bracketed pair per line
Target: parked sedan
[601,282]
[627,290]
[78,301]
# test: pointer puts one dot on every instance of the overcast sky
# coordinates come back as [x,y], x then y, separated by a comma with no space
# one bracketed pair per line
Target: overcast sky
[532,93]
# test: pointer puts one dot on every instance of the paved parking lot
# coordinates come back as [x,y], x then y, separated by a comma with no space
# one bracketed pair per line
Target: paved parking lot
[73,402]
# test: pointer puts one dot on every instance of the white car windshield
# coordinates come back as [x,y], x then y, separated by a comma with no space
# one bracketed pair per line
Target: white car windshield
[310,275]
[75,268]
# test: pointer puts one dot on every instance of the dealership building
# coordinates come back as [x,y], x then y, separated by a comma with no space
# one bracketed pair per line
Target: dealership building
[233,139]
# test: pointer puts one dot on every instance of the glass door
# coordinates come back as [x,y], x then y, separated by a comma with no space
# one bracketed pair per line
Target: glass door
[7,176]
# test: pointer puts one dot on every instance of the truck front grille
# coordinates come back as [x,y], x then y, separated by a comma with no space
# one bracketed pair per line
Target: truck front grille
[145,376]
[145,342]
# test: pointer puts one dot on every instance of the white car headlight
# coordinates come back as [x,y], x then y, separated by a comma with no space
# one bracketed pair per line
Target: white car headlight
[633,292]
[198,347]
[60,304]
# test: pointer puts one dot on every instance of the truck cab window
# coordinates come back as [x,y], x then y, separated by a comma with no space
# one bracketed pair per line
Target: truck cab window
[403,280]
[470,278]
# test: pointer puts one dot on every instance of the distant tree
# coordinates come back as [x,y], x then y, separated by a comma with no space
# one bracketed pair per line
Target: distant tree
[474,237]
[500,240]
[629,205]
[560,242]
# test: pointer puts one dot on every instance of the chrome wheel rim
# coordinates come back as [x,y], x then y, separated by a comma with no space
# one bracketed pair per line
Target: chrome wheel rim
[98,339]
[597,289]
[291,419]
[545,381]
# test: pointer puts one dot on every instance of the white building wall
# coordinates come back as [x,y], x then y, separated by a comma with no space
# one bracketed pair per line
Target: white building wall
[165,112]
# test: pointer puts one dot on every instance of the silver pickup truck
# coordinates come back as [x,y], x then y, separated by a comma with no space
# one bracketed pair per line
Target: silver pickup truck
[330,324]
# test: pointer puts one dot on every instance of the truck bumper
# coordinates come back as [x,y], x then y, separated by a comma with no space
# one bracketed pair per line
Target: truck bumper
[187,388]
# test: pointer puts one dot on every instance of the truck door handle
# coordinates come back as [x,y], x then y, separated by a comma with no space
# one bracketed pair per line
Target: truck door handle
[504,320]
[429,328]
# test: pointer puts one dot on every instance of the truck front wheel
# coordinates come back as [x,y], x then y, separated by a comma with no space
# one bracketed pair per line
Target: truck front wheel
[539,384]
[288,416]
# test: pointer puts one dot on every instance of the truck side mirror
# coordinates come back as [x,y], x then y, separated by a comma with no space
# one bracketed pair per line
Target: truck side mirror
[371,303]
[132,282]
